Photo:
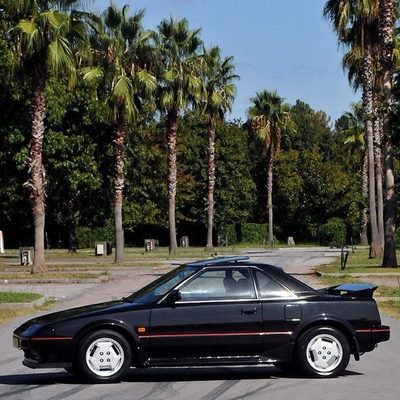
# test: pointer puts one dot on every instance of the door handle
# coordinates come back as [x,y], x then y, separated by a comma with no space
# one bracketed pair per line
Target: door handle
[249,310]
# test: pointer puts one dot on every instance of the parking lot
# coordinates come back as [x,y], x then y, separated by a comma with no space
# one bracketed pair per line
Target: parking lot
[374,376]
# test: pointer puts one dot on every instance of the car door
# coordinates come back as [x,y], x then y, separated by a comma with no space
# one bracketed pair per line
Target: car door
[217,315]
[281,313]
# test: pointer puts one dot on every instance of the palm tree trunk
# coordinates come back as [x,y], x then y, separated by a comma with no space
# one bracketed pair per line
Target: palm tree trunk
[36,167]
[389,254]
[364,196]
[119,150]
[172,134]
[378,176]
[211,183]
[386,42]
[71,227]
[367,97]
[270,169]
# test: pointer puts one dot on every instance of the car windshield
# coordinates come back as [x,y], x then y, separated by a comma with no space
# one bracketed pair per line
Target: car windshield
[161,286]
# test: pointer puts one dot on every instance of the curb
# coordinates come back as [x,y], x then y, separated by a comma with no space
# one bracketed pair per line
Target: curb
[38,302]
[56,280]
[382,299]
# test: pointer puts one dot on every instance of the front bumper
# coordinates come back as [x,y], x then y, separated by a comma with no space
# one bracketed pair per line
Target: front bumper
[47,352]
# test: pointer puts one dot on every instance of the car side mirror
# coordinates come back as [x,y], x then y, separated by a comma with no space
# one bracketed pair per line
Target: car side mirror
[174,296]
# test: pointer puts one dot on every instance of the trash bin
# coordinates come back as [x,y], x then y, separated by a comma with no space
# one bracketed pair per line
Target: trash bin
[185,241]
[100,248]
[109,248]
[222,240]
[149,244]
[26,255]
[1,242]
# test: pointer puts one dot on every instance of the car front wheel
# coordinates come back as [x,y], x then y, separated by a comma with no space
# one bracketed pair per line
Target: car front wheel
[323,352]
[105,356]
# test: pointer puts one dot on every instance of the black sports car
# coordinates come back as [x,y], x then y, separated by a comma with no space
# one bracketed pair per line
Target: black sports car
[220,311]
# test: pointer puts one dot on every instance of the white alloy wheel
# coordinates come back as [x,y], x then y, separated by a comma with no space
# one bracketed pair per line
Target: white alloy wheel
[105,357]
[324,353]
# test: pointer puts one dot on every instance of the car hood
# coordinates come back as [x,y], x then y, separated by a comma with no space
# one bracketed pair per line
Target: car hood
[84,311]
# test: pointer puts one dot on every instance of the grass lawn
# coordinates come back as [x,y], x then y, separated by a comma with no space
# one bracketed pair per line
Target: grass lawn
[18,297]
[132,252]
[8,315]
[390,308]
[359,261]
[54,275]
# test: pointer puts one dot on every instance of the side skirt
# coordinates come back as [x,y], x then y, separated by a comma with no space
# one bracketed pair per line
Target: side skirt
[233,360]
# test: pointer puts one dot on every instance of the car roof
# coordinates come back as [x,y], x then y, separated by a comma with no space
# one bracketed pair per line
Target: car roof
[218,261]
[275,271]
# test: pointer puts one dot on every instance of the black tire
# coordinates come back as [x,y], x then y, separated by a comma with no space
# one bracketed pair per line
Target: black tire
[104,356]
[323,352]
[73,370]
[288,367]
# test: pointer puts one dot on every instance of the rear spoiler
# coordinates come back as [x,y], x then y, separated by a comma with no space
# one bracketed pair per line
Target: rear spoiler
[351,290]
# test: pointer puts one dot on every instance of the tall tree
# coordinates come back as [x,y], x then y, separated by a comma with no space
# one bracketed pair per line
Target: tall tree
[121,42]
[355,21]
[180,87]
[386,37]
[43,35]
[352,61]
[355,136]
[271,120]
[217,79]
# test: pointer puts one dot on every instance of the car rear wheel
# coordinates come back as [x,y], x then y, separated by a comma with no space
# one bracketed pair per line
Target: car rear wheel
[105,356]
[323,352]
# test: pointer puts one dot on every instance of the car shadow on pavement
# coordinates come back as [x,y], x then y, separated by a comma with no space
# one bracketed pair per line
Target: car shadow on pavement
[213,373]
[170,374]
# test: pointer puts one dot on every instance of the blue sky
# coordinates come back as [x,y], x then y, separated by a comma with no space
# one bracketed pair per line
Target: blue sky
[282,45]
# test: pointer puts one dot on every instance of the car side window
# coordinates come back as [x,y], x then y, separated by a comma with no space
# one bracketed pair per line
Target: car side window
[270,288]
[220,284]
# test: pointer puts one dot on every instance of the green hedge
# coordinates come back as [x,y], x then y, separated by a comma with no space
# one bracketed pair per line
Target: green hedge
[230,232]
[334,232]
[245,233]
[87,236]
[254,233]
[397,236]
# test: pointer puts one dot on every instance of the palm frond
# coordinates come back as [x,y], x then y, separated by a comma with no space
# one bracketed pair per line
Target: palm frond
[92,74]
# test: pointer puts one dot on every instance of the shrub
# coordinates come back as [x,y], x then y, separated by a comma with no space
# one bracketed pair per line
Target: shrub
[87,236]
[333,232]
[397,236]
[230,232]
[254,233]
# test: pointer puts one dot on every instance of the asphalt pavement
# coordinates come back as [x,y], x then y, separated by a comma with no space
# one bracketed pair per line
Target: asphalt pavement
[374,376]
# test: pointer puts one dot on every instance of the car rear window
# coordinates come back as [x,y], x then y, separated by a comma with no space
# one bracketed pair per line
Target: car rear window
[270,288]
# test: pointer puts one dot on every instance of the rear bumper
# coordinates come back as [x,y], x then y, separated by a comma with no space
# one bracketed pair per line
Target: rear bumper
[368,338]
[380,333]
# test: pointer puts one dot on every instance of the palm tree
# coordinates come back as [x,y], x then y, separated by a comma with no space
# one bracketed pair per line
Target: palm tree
[217,80]
[386,37]
[178,70]
[352,61]
[355,24]
[119,50]
[271,121]
[355,136]
[43,34]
